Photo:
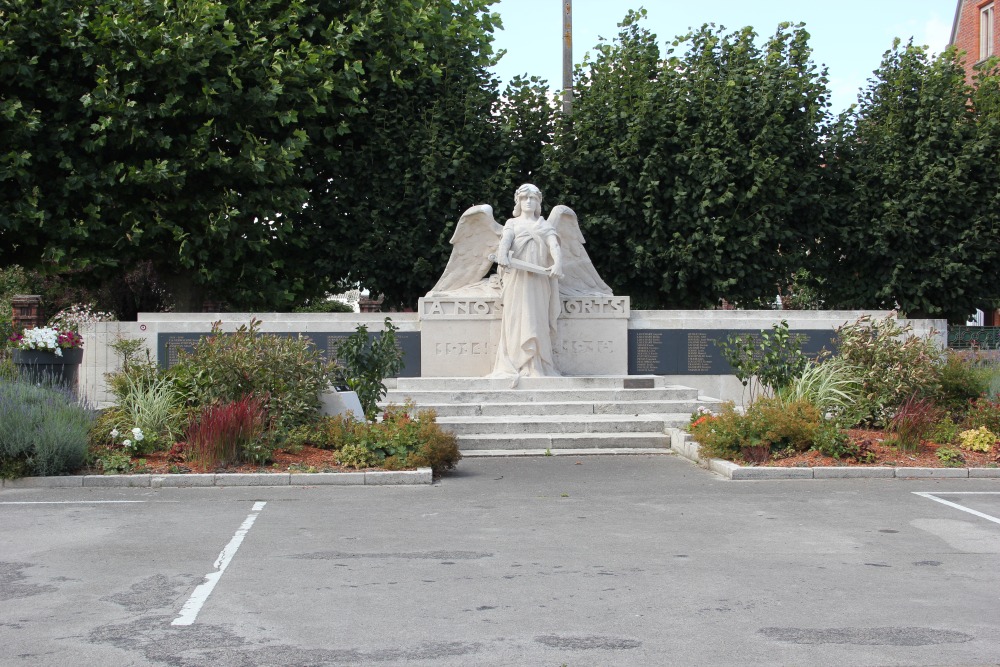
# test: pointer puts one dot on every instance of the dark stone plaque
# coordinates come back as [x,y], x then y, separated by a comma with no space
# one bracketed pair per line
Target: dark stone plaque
[695,352]
[169,346]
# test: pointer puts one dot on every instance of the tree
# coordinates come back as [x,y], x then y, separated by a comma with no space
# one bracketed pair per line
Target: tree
[241,147]
[696,173]
[914,166]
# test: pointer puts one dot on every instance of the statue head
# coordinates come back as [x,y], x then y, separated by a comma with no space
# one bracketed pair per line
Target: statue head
[527,187]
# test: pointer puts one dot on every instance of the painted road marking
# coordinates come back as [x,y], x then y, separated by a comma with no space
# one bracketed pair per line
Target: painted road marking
[191,608]
[933,496]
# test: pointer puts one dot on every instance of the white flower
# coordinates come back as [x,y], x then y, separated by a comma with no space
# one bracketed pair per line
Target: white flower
[127,443]
[137,433]
[114,433]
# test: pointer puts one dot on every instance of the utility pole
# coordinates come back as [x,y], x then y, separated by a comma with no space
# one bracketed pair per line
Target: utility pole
[567,57]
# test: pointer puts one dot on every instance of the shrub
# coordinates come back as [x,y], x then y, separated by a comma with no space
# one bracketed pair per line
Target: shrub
[944,431]
[43,430]
[398,441]
[960,380]
[833,386]
[985,413]
[949,456]
[366,365]
[771,360]
[977,440]
[894,365]
[290,371]
[153,406]
[228,432]
[769,425]
[914,422]
[326,432]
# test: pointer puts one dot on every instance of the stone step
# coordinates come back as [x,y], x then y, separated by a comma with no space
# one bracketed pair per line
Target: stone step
[578,424]
[439,396]
[495,409]
[547,383]
[562,441]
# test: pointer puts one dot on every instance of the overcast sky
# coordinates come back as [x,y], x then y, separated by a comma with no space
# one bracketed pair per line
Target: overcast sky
[848,36]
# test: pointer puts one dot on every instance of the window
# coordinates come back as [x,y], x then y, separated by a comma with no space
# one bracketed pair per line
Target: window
[986,32]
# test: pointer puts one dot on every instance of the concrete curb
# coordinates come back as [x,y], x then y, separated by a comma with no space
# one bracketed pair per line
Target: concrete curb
[589,451]
[682,444]
[375,478]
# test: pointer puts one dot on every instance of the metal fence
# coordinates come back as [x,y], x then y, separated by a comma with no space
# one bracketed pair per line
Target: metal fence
[974,338]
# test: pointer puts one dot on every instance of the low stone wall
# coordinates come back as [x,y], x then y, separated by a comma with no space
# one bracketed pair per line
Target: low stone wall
[447,339]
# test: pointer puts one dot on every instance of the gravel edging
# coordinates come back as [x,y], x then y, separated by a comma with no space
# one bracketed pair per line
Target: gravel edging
[145,481]
[681,442]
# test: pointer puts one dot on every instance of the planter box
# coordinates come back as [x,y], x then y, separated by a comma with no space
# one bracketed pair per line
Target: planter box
[38,366]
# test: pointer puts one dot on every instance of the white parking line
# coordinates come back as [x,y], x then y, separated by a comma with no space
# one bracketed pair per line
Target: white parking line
[189,612]
[932,496]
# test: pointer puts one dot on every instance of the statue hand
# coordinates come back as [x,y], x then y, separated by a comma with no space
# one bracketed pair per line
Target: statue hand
[556,270]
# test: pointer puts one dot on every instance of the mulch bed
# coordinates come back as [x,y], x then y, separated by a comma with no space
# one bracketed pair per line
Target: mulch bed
[885,455]
[308,459]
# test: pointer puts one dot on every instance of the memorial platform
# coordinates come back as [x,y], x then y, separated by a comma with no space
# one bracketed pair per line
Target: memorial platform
[612,412]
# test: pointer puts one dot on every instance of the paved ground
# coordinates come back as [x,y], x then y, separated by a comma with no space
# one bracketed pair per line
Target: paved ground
[633,560]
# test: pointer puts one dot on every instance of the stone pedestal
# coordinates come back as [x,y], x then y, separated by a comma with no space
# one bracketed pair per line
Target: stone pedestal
[458,336]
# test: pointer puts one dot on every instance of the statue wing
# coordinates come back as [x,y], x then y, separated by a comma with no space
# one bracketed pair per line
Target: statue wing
[476,236]
[580,278]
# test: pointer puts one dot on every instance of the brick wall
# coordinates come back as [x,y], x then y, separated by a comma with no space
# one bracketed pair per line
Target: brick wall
[966,35]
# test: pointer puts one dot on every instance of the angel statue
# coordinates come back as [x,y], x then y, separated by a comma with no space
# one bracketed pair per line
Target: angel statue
[540,260]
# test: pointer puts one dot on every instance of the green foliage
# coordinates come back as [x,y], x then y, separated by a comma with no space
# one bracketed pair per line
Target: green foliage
[894,364]
[768,426]
[960,380]
[43,430]
[113,461]
[323,306]
[288,371]
[694,169]
[771,360]
[911,167]
[950,457]
[223,141]
[367,364]
[977,440]
[983,413]
[13,281]
[358,456]
[944,431]
[833,386]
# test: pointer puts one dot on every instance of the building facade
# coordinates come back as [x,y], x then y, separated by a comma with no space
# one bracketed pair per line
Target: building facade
[975,31]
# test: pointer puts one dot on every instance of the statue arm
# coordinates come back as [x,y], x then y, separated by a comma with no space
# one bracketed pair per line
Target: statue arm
[506,240]
[556,251]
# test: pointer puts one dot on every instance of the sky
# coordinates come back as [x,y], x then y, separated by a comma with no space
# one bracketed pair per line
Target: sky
[848,36]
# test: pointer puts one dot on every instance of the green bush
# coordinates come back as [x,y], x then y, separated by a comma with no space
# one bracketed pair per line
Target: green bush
[289,371]
[366,365]
[894,365]
[983,413]
[950,457]
[398,441]
[43,430]
[960,380]
[768,426]
[833,386]
[771,360]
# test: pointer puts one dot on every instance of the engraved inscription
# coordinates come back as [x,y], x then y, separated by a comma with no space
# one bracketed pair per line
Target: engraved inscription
[458,306]
[460,349]
[594,305]
[698,359]
[586,346]
[175,343]
[647,351]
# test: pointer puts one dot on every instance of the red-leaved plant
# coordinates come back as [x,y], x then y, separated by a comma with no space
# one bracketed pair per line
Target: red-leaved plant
[222,433]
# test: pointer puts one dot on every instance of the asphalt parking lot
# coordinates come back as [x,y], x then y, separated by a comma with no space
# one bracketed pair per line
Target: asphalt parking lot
[629,560]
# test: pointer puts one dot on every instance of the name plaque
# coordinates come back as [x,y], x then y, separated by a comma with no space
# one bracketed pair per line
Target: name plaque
[169,346]
[695,351]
